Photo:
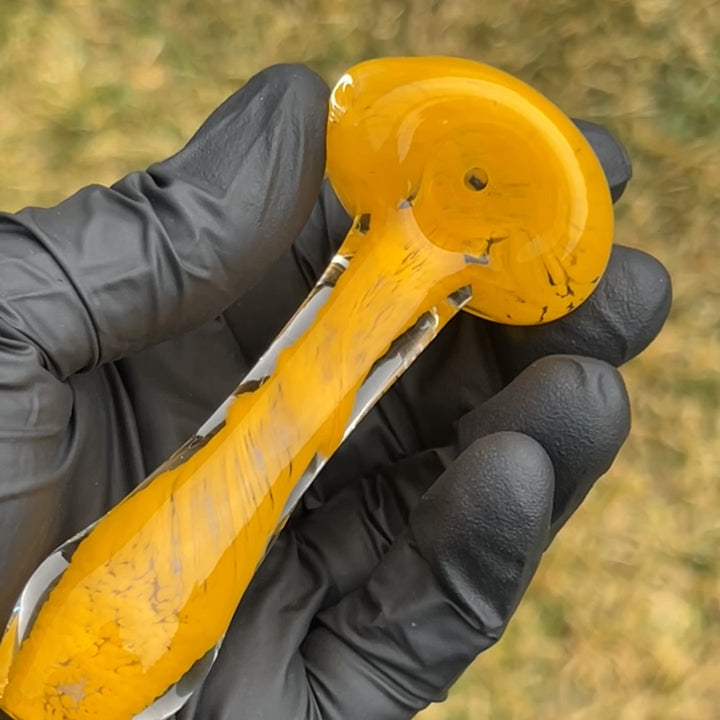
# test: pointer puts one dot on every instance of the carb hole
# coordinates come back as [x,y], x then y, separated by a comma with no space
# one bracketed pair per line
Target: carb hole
[476,179]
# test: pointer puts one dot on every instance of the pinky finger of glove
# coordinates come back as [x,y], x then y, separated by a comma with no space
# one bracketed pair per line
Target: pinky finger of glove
[445,591]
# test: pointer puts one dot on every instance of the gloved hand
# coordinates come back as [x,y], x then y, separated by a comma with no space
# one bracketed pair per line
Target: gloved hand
[121,331]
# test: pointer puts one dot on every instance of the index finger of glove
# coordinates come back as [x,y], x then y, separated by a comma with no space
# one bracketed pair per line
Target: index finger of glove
[112,270]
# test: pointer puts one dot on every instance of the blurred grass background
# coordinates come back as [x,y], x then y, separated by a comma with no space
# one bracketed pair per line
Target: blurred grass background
[623,619]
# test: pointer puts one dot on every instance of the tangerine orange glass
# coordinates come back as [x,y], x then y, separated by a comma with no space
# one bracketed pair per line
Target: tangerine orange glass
[469,191]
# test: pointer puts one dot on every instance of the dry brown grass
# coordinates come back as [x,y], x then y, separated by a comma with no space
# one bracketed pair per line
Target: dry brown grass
[623,620]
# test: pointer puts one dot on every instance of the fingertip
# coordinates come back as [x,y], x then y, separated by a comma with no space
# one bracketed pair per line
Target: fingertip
[304,94]
[591,392]
[311,91]
[647,288]
[612,155]
[282,102]
[507,469]
[628,309]
[577,408]
[483,525]
[617,322]
[592,396]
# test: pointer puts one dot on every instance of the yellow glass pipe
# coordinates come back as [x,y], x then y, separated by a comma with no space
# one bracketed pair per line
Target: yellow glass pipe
[468,189]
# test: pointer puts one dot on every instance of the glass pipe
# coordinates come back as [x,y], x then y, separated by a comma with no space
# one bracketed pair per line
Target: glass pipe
[469,190]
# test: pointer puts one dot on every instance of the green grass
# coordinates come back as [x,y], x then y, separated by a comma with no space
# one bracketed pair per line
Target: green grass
[623,620]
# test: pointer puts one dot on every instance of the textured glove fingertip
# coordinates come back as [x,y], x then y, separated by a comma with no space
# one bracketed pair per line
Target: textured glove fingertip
[483,526]
[288,97]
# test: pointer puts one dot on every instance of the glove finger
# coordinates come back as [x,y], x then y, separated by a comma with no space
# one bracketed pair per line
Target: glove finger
[445,591]
[112,270]
[612,156]
[616,323]
[576,408]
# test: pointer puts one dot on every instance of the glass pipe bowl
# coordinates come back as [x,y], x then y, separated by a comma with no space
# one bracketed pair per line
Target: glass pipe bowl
[487,167]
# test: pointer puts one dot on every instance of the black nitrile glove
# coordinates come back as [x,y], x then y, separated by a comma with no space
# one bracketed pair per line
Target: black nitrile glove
[121,331]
